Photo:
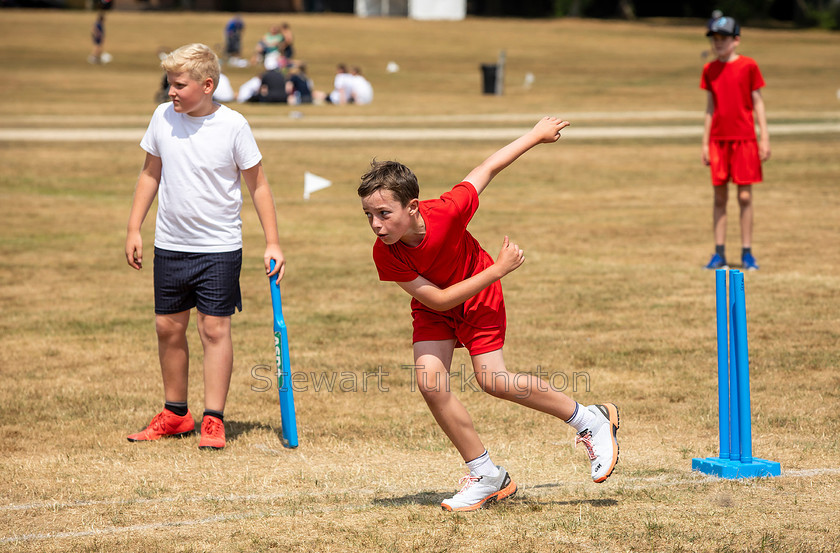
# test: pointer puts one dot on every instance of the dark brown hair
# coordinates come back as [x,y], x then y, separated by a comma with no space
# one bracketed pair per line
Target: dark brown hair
[393,176]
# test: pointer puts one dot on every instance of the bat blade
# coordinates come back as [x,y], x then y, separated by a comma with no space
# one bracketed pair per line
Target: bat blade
[284,371]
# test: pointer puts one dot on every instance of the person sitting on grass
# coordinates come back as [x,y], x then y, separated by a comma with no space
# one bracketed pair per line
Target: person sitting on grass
[272,83]
[197,154]
[361,89]
[342,91]
[425,247]
[299,87]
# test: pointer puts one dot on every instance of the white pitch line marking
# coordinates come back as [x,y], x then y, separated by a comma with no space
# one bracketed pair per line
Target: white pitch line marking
[110,530]
[537,489]
[636,482]
[387,134]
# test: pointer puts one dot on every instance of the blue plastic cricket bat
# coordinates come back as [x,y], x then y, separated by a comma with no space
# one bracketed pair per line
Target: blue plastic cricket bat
[284,368]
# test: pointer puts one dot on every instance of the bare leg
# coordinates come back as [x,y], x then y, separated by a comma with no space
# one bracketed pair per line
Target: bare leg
[719,213]
[520,388]
[746,204]
[218,359]
[432,361]
[174,354]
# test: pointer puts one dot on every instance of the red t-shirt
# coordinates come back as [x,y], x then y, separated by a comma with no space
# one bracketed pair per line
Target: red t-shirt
[448,253]
[732,85]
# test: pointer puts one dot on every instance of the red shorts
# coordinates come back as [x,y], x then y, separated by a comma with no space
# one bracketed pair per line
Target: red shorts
[479,324]
[734,159]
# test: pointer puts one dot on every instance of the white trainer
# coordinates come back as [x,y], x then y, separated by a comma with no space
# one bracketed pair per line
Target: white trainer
[600,441]
[480,491]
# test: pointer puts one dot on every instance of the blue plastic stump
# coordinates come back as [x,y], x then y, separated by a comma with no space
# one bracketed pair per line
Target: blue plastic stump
[734,424]
[734,396]
[723,362]
[727,468]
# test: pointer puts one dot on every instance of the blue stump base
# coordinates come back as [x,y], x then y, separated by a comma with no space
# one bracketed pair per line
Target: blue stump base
[731,469]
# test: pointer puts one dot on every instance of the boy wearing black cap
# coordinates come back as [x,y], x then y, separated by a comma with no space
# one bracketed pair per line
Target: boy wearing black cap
[730,148]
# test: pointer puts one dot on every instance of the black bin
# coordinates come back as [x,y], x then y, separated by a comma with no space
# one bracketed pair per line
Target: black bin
[489,72]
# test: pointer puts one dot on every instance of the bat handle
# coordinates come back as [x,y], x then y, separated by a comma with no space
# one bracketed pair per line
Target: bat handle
[272,280]
[276,300]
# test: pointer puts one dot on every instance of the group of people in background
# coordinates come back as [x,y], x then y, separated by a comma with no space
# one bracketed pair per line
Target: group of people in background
[278,41]
[282,78]
[276,84]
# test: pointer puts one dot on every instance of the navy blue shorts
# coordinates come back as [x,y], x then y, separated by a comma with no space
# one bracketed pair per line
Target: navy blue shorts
[207,281]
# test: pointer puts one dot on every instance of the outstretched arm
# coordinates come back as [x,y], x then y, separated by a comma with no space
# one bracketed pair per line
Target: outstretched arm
[546,130]
[257,184]
[442,299]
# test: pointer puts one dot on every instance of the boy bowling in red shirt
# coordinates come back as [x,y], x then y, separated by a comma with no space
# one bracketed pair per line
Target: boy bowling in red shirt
[457,300]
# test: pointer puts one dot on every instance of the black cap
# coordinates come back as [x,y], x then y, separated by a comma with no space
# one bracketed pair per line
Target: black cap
[725,26]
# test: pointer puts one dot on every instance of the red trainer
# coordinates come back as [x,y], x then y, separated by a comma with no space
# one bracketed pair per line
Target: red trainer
[166,424]
[212,433]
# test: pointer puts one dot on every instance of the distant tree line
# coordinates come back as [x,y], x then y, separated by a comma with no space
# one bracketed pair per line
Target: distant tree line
[824,13]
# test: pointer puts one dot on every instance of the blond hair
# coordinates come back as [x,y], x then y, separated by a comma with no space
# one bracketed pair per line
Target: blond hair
[198,60]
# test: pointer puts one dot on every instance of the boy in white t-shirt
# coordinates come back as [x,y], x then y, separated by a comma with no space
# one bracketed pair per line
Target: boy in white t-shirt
[196,151]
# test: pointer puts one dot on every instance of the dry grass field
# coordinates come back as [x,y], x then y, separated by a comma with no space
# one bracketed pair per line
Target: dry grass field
[611,302]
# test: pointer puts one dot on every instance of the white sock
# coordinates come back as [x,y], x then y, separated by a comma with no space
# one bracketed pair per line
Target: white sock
[483,466]
[582,419]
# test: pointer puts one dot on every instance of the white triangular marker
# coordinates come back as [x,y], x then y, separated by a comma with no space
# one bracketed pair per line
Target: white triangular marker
[313,183]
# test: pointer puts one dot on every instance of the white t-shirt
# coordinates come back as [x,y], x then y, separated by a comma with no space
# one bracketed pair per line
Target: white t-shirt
[224,92]
[362,90]
[343,82]
[249,89]
[200,193]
